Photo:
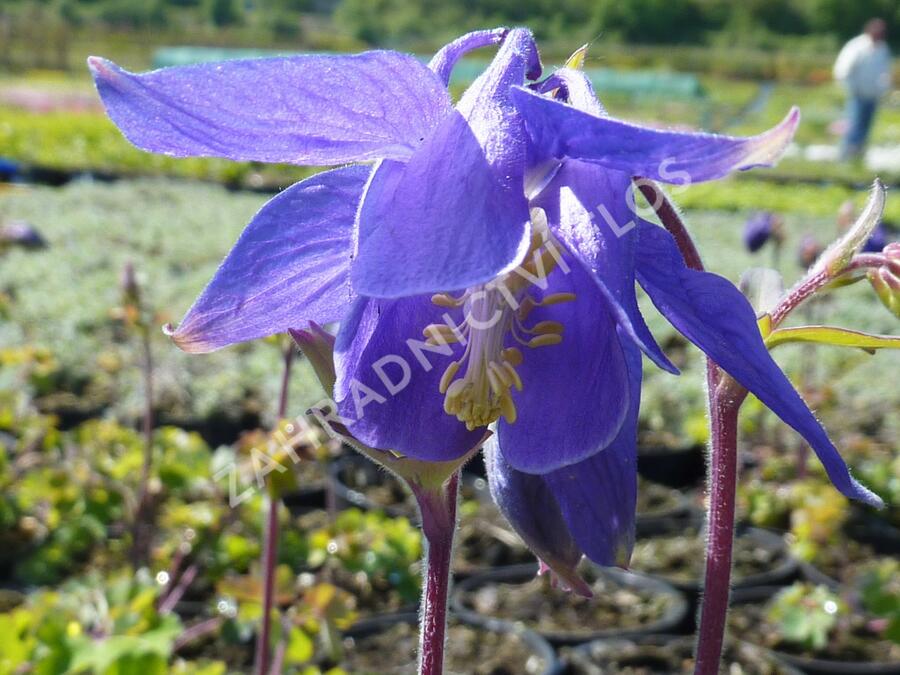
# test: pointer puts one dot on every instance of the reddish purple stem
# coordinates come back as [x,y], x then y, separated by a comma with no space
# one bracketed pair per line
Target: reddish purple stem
[724,405]
[168,603]
[725,398]
[800,294]
[270,552]
[143,526]
[270,555]
[438,524]
[197,631]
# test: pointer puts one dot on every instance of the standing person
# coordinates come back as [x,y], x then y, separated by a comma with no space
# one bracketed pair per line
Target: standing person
[864,68]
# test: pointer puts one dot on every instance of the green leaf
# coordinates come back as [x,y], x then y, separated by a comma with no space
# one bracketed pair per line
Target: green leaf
[892,632]
[128,653]
[830,335]
[300,647]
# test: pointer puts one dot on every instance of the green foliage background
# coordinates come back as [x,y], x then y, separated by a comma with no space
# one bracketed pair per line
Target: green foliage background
[386,21]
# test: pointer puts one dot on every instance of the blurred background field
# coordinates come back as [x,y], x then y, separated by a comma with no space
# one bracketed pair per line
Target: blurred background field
[71,388]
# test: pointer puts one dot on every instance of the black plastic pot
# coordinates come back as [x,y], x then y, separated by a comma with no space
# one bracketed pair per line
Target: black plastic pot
[676,467]
[781,574]
[352,469]
[655,653]
[872,529]
[534,642]
[816,576]
[670,622]
[756,595]
[304,500]
[653,521]
[11,596]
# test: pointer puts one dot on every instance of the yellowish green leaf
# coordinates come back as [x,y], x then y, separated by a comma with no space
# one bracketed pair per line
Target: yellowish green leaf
[830,335]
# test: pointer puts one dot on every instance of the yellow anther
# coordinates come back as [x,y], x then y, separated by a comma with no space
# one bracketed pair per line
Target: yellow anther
[556,299]
[526,307]
[477,386]
[508,408]
[448,376]
[540,265]
[545,340]
[501,374]
[512,355]
[546,328]
[496,383]
[537,240]
[440,333]
[445,300]
[453,393]
[512,375]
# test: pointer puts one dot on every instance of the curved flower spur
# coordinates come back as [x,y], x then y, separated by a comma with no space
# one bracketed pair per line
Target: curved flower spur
[482,270]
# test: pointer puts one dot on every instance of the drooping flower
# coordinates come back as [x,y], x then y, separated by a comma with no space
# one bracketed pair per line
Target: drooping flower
[759,228]
[482,270]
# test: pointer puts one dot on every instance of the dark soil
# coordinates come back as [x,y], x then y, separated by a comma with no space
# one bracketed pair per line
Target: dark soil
[663,657]
[469,650]
[484,540]
[654,499]
[841,561]
[680,557]
[614,607]
[852,640]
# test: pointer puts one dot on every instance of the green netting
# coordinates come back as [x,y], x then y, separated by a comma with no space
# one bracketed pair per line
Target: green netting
[645,83]
[182,56]
[637,83]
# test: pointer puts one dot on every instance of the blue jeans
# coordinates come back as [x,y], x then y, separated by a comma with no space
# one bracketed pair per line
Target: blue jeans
[860,113]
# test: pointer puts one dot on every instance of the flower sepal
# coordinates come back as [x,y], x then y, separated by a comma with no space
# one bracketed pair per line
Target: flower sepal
[421,476]
[837,257]
[317,345]
[885,279]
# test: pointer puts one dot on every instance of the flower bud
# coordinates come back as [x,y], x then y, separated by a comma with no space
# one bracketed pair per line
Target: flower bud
[885,279]
[128,283]
[840,253]
[317,345]
[761,227]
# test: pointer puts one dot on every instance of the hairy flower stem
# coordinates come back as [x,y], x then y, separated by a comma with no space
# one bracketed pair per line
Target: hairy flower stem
[143,517]
[725,398]
[438,507]
[270,555]
[725,402]
[270,552]
[800,294]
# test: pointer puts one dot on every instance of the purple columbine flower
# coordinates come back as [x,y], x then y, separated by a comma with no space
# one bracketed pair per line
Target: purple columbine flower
[759,228]
[482,270]
[877,240]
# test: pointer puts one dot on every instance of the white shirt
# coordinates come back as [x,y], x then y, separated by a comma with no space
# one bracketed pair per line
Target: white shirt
[864,66]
